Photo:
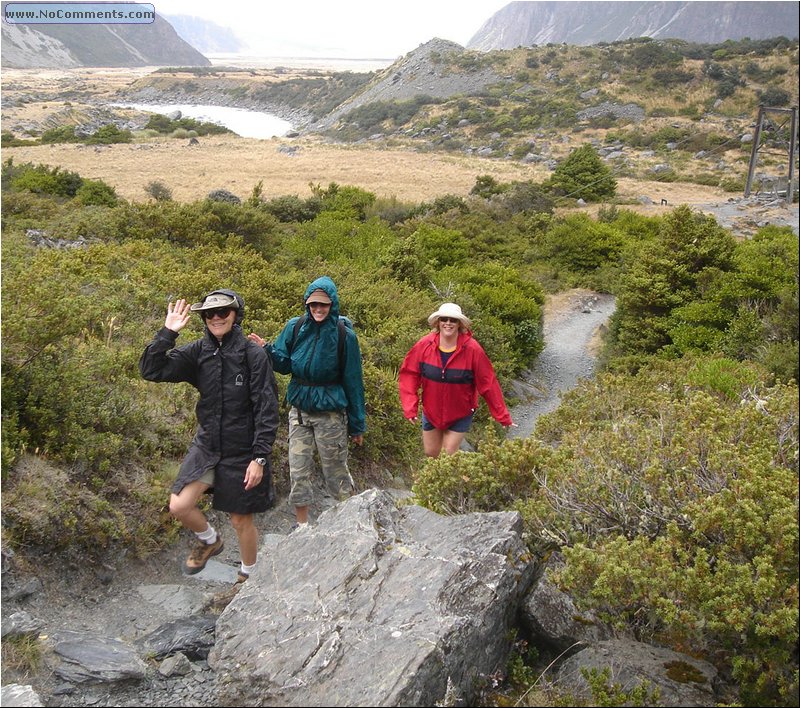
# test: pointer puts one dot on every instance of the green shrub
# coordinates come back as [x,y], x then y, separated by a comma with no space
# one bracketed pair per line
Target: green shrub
[732,184]
[683,478]
[8,139]
[96,193]
[289,208]
[158,191]
[62,134]
[581,244]
[773,96]
[165,126]
[676,268]
[44,180]
[583,174]
[108,134]
[346,200]
[335,237]
[496,477]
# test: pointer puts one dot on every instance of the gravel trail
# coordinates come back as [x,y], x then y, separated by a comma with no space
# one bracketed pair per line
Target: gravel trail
[572,323]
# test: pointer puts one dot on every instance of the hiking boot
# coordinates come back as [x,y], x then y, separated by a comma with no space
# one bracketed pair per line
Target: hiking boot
[242,577]
[200,554]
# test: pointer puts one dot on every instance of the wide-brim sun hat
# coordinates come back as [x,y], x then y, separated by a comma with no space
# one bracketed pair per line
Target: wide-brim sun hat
[319,295]
[449,309]
[214,301]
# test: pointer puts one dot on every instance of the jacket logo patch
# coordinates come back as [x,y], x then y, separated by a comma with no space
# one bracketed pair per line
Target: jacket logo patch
[239,380]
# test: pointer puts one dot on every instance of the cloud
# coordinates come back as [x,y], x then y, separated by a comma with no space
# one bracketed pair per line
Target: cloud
[349,28]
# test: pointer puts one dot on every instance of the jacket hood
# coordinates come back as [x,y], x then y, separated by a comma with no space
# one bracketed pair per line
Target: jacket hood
[324,283]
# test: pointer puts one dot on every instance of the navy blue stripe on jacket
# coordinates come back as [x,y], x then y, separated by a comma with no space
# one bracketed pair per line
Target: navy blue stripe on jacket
[454,376]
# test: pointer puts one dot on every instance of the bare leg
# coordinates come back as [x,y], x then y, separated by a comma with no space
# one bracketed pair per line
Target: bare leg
[432,442]
[183,506]
[248,537]
[452,441]
[301,514]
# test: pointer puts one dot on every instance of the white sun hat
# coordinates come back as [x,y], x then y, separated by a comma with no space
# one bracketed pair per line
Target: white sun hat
[449,309]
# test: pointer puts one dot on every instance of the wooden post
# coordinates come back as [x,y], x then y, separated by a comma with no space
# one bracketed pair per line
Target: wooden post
[754,152]
[792,154]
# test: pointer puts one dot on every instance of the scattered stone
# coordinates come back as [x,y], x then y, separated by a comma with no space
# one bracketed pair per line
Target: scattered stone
[20,624]
[15,694]
[629,111]
[194,636]
[175,665]
[91,658]
[550,615]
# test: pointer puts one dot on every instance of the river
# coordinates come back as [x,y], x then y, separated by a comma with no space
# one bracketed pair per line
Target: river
[255,124]
[248,124]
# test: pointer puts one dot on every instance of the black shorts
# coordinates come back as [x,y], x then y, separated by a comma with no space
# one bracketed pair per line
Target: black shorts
[228,492]
[462,425]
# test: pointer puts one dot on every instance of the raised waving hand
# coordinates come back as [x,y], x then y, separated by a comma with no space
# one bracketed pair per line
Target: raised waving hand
[177,316]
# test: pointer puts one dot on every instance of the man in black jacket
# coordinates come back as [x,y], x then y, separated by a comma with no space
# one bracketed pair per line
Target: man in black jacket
[237,416]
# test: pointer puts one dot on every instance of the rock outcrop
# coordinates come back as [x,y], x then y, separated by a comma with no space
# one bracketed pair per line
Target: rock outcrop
[418,73]
[376,605]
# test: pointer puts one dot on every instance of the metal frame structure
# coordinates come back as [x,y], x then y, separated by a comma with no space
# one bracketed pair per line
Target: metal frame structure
[762,115]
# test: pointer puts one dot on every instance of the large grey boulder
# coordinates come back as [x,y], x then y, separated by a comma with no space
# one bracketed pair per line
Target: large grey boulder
[376,605]
[550,616]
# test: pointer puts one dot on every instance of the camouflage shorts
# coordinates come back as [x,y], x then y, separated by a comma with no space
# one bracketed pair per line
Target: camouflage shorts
[327,431]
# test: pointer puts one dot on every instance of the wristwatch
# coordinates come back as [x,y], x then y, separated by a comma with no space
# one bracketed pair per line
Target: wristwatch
[261,461]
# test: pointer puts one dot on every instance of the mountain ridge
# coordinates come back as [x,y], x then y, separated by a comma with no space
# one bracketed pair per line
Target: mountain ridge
[585,23]
[206,36]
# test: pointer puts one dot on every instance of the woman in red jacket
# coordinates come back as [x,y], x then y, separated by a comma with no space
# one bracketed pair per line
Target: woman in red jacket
[451,368]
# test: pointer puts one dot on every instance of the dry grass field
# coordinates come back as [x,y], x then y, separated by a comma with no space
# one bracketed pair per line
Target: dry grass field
[238,164]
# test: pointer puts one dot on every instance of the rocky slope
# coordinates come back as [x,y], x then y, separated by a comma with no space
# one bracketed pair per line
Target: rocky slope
[64,45]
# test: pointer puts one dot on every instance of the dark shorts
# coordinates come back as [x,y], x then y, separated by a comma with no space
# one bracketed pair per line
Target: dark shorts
[462,425]
[228,492]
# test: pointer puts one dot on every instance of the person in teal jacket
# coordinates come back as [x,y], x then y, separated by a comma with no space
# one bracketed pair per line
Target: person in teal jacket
[326,393]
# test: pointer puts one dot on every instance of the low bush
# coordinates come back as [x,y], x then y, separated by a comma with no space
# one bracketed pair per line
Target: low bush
[673,495]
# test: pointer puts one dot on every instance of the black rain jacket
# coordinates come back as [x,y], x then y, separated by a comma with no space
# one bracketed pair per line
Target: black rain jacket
[237,412]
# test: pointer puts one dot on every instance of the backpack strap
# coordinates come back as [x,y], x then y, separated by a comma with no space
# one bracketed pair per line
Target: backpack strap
[340,346]
[295,330]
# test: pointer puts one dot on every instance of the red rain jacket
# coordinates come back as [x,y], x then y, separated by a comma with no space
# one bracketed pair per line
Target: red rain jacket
[450,392]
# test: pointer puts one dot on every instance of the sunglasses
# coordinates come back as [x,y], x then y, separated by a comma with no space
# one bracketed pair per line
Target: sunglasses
[454,320]
[319,304]
[221,312]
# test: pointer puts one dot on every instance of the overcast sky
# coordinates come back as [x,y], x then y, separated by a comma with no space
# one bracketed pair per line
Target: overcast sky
[347,28]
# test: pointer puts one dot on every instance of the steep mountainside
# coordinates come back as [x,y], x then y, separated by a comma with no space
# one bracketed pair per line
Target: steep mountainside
[61,46]
[422,72]
[25,48]
[523,24]
[207,37]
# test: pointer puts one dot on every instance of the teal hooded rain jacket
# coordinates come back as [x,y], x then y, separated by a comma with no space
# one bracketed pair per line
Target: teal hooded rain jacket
[318,383]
